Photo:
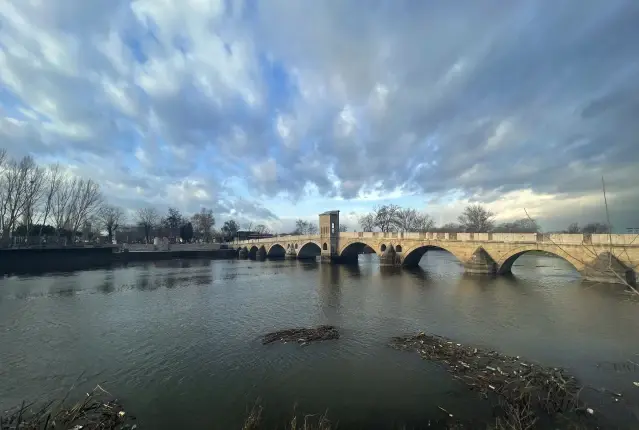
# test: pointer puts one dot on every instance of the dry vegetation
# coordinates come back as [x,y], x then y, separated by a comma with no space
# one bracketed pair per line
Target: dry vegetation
[97,411]
[302,335]
[526,392]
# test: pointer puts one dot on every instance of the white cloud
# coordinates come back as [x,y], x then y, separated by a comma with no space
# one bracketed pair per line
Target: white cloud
[266,171]
[328,100]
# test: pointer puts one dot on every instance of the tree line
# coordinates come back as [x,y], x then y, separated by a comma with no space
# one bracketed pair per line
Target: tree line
[43,201]
[475,218]
[47,201]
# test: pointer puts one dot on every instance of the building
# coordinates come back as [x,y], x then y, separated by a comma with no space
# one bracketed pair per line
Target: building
[249,235]
[329,233]
[130,234]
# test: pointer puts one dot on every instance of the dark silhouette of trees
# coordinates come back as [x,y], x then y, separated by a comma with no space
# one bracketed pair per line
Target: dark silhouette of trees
[229,230]
[186,232]
[590,228]
[173,219]
[110,218]
[148,219]
[203,223]
[388,218]
[305,227]
[595,228]
[367,222]
[573,228]
[523,225]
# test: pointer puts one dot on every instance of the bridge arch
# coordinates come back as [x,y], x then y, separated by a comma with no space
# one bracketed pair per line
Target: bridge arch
[276,250]
[309,250]
[506,261]
[353,249]
[413,255]
[252,252]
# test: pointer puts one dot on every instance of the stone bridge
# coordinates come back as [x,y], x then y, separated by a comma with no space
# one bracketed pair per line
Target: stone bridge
[598,257]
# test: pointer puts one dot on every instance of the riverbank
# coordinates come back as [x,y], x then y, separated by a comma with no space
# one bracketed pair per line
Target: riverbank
[63,259]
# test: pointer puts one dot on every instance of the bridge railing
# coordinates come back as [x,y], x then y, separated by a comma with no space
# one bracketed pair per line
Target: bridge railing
[280,238]
[559,238]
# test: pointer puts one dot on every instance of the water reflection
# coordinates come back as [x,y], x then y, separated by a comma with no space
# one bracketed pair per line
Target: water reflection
[330,291]
[418,273]
[390,271]
[352,271]
[108,285]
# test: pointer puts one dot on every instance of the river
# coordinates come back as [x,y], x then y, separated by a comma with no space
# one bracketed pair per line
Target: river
[179,341]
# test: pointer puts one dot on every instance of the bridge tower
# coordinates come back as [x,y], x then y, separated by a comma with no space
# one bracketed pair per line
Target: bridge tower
[329,235]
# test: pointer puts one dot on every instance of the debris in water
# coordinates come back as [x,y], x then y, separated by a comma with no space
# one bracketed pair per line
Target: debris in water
[302,335]
[96,411]
[519,386]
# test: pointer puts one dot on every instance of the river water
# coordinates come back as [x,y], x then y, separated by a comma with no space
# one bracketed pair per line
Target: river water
[179,341]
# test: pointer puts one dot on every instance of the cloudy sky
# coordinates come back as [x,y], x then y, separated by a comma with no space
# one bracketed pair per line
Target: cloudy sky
[272,110]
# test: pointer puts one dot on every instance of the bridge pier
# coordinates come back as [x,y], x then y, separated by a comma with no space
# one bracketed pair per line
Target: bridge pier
[480,263]
[607,268]
[610,277]
[389,257]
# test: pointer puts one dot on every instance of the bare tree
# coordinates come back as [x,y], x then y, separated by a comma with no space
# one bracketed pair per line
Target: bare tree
[3,189]
[53,181]
[110,218]
[573,228]
[450,227]
[343,228]
[229,230]
[300,226]
[85,201]
[303,227]
[424,223]
[367,222]
[34,187]
[261,229]
[596,228]
[173,219]
[476,218]
[523,225]
[386,217]
[3,159]
[406,219]
[248,226]
[148,219]
[409,220]
[203,223]
[22,182]
[60,207]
